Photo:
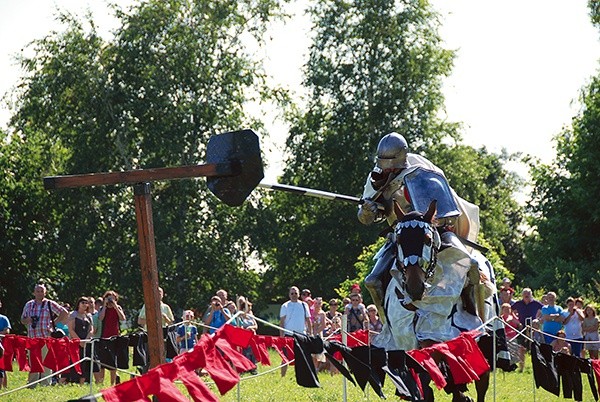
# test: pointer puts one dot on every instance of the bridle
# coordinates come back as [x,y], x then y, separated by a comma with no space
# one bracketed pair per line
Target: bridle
[428,258]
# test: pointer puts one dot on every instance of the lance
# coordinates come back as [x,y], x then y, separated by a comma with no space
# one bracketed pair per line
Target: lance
[311,192]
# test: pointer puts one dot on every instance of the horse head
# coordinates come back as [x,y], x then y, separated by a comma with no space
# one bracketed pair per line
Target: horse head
[417,241]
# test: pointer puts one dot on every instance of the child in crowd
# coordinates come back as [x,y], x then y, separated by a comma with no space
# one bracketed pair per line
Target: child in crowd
[559,344]
[187,333]
[536,333]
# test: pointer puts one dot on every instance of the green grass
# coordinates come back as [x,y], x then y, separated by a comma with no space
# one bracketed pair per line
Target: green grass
[511,387]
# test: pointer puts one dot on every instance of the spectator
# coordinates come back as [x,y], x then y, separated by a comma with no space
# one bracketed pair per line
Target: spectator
[506,283]
[355,289]
[552,317]
[222,293]
[217,315]
[527,309]
[572,320]
[165,312]
[110,315]
[306,297]
[294,316]
[80,324]
[579,303]
[232,309]
[506,294]
[37,317]
[559,344]
[248,322]
[62,326]
[97,325]
[319,318]
[512,324]
[4,329]
[331,314]
[375,324]
[98,303]
[590,332]
[346,303]
[319,323]
[357,314]
[187,333]
[536,333]
[334,304]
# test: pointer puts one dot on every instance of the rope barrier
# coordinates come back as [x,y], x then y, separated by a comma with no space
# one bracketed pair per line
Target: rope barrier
[522,332]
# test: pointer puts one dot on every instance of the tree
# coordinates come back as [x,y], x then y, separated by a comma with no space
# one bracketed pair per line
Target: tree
[563,248]
[176,72]
[482,178]
[374,67]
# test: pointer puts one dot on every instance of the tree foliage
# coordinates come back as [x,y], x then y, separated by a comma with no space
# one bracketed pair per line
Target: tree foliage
[564,246]
[176,72]
[482,178]
[374,67]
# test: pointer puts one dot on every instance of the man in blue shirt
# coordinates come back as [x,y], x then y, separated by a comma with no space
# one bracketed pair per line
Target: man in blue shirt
[217,316]
[527,310]
[552,318]
[4,329]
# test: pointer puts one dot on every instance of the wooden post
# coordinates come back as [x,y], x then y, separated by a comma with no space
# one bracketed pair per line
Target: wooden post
[143,213]
[235,155]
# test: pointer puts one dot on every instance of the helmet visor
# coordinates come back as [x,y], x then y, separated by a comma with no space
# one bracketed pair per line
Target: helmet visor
[398,162]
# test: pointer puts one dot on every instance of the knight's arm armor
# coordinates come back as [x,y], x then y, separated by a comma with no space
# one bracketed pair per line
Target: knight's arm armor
[371,210]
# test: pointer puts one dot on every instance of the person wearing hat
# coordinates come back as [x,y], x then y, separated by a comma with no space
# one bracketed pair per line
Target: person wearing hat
[355,289]
[506,294]
[306,297]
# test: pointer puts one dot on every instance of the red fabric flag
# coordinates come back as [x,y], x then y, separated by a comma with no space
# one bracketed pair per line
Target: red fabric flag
[284,347]
[235,335]
[155,383]
[466,347]
[9,353]
[596,367]
[73,348]
[19,346]
[35,346]
[462,373]
[205,355]
[126,391]
[58,354]
[239,361]
[224,376]
[425,359]
[197,388]
[259,348]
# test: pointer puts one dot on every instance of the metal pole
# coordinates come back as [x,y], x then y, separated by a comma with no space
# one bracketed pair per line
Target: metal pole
[91,366]
[143,212]
[494,354]
[345,342]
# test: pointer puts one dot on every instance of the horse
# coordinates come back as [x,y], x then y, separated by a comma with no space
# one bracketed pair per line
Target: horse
[436,290]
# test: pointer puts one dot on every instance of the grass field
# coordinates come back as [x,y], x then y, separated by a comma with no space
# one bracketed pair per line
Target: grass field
[270,386]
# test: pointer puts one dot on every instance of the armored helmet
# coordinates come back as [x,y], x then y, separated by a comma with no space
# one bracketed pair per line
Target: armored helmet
[391,152]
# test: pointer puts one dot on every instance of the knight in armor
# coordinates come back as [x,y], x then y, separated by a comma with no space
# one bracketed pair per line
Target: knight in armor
[386,183]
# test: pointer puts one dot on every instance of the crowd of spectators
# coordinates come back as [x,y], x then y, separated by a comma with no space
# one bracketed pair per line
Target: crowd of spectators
[572,329]
[104,317]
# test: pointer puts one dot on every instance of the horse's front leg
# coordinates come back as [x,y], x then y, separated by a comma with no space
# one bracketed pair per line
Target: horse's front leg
[482,386]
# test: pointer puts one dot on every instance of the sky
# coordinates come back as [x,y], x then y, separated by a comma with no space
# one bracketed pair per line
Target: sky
[519,67]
